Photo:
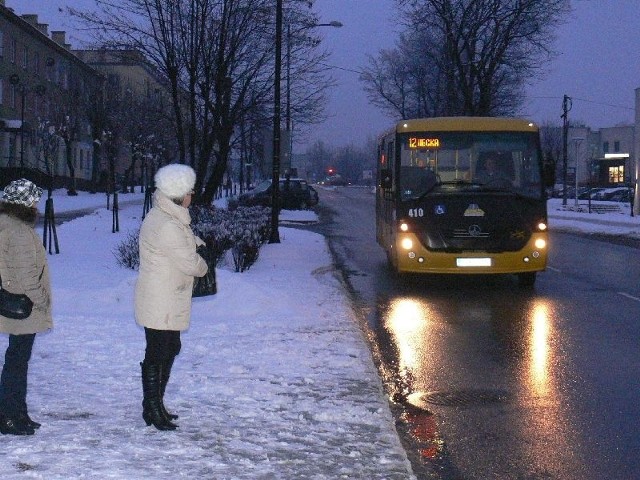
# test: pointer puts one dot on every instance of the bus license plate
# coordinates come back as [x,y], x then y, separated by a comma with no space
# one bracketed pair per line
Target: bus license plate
[473,262]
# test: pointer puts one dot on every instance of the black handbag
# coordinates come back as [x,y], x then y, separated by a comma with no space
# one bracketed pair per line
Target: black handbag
[14,305]
[203,286]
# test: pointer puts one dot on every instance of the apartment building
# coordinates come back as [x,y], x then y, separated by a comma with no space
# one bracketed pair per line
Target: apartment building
[138,95]
[45,93]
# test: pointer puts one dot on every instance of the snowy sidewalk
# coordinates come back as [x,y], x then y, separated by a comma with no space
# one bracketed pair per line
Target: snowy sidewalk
[612,223]
[274,381]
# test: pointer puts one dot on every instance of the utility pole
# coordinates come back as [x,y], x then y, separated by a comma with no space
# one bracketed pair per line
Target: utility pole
[275,177]
[566,107]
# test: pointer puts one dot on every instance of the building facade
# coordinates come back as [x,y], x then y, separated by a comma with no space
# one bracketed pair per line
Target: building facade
[44,117]
[604,157]
[139,107]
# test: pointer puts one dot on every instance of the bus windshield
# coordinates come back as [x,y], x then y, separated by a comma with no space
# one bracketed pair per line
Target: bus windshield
[455,161]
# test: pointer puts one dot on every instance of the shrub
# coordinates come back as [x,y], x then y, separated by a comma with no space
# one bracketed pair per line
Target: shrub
[243,231]
[127,252]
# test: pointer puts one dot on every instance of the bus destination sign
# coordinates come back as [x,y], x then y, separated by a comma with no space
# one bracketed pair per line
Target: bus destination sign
[419,142]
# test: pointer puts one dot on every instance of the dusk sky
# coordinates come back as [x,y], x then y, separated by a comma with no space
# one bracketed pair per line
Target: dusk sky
[598,65]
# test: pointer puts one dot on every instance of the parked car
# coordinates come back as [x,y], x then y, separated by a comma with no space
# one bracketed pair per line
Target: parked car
[336,180]
[618,194]
[314,196]
[294,193]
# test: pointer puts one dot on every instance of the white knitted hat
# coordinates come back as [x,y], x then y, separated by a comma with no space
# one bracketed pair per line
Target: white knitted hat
[175,180]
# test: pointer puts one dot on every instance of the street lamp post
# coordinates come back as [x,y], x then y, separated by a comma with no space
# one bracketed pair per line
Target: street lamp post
[577,142]
[289,127]
[566,107]
[275,173]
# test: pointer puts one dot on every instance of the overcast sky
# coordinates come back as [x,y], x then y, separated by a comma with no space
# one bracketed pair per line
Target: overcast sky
[598,65]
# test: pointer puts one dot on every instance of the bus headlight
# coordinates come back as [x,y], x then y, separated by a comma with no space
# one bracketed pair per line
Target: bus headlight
[407,243]
[542,226]
[540,243]
[404,227]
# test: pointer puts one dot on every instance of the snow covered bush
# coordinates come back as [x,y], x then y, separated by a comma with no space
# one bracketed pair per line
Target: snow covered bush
[250,230]
[243,231]
[127,253]
[212,225]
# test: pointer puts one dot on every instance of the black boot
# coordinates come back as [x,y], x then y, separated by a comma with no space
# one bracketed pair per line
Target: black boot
[13,426]
[165,373]
[151,404]
[24,418]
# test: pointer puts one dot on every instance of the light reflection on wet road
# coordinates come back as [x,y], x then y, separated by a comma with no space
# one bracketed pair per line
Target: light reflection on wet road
[491,381]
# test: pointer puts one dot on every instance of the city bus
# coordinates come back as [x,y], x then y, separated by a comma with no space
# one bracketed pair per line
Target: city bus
[439,208]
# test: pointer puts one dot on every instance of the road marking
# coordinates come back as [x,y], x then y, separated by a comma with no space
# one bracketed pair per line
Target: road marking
[557,270]
[629,296]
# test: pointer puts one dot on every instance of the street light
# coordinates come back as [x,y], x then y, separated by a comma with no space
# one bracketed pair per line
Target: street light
[289,129]
[577,142]
[275,173]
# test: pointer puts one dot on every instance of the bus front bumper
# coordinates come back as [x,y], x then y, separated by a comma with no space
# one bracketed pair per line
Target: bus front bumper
[417,259]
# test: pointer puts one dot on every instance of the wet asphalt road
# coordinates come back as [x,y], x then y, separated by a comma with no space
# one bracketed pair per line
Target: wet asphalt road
[489,381]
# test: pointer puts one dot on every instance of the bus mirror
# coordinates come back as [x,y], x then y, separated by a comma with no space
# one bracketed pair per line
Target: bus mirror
[386,180]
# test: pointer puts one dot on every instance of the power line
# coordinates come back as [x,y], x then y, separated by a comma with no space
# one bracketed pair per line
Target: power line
[587,101]
[336,67]
[604,104]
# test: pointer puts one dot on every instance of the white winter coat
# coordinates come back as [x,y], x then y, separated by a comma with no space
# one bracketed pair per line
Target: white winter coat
[168,264]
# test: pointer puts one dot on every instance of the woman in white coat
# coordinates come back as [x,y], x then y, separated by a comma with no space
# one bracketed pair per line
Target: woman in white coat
[168,265]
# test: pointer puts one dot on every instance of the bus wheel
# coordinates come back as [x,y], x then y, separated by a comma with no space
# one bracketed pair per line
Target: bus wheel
[527,279]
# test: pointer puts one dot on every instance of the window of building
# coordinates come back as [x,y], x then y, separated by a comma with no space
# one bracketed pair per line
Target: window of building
[1,44]
[1,91]
[38,103]
[36,63]
[25,57]
[14,96]
[616,174]
[14,47]
[605,147]
[50,70]
[616,147]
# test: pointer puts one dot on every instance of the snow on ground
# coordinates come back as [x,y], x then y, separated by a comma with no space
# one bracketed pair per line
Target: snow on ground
[274,381]
[571,218]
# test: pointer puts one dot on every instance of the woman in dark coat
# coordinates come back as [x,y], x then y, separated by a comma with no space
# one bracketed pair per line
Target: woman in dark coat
[24,270]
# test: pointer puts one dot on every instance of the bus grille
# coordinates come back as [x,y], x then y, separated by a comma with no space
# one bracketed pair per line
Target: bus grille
[469,233]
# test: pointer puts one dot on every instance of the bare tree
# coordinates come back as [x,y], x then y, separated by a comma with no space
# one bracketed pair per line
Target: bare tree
[464,57]
[552,144]
[320,157]
[217,58]
[48,145]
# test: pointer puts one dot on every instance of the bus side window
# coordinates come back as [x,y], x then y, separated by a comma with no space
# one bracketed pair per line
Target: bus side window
[386,180]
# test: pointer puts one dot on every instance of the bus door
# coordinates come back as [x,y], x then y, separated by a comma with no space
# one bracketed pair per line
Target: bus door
[385,202]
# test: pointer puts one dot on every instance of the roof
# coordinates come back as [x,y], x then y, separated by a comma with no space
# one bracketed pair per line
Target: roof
[466,124]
